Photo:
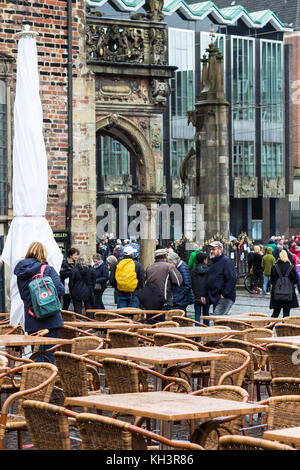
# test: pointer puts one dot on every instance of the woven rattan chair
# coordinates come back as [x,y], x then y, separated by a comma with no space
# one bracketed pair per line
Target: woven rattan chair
[285,386]
[233,324]
[252,334]
[104,433]
[294,319]
[207,433]
[231,369]
[287,329]
[48,425]
[37,383]
[250,443]
[127,339]
[284,360]
[185,321]
[67,315]
[9,329]
[119,320]
[105,316]
[78,375]
[161,339]
[83,344]
[166,324]
[283,412]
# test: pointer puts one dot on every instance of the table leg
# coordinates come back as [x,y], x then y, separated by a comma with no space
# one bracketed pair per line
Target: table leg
[166,431]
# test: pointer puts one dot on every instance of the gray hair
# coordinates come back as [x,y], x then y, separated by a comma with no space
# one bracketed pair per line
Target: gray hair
[173,257]
[82,261]
[97,256]
[111,259]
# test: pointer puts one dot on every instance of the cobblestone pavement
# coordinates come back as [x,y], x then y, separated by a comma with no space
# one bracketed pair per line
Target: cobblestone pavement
[244,303]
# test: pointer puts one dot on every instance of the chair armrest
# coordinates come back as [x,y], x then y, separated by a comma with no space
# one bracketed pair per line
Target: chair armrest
[234,371]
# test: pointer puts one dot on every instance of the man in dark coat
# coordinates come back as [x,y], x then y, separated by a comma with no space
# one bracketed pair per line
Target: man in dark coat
[219,285]
[198,274]
[66,268]
[284,265]
[182,295]
[102,275]
[82,284]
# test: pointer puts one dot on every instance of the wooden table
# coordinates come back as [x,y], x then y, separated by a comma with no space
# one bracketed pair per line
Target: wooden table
[105,326]
[253,320]
[165,406]
[156,355]
[280,339]
[286,435]
[191,331]
[27,340]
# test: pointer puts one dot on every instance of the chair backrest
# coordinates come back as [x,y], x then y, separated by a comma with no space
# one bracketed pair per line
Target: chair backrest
[224,392]
[192,347]
[252,334]
[3,366]
[72,370]
[67,332]
[287,329]
[234,364]
[104,316]
[11,329]
[284,359]
[294,319]
[250,443]
[160,339]
[68,316]
[82,344]
[256,314]
[283,412]
[233,324]
[165,324]
[33,375]
[176,312]
[123,376]
[285,386]
[245,346]
[123,339]
[119,320]
[104,433]
[47,425]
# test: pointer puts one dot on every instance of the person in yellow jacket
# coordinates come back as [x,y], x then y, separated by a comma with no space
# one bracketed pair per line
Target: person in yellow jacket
[267,263]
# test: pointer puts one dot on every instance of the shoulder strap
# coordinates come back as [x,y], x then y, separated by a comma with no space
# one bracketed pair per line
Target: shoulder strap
[278,270]
[288,271]
[43,267]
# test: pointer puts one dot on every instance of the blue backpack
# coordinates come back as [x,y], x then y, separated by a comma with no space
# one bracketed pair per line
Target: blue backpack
[45,301]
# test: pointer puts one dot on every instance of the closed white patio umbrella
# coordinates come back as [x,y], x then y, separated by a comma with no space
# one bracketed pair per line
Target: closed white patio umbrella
[30,172]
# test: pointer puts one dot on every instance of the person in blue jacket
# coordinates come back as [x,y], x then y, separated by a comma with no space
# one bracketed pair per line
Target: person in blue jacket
[182,295]
[25,269]
[102,275]
[219,285]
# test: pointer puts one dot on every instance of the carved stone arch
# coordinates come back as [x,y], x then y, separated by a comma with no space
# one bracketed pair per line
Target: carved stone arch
[129,135]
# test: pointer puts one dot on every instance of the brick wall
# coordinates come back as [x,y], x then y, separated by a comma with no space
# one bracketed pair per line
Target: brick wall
[49,19]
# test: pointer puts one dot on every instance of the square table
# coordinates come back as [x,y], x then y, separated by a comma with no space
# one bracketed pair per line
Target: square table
[259,322]
[285,435]
[191,331]
[165,406]
[156,355]
[280,339]
[27,340]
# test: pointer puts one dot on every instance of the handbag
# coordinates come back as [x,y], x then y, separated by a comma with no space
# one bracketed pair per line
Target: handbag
[98,286]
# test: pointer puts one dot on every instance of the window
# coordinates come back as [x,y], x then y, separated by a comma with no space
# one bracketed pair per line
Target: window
[180,148]
[256,229]
[115,157]
[272,81]
[181,54]
[3,148]
[243,159]
[272,160]
[242,78]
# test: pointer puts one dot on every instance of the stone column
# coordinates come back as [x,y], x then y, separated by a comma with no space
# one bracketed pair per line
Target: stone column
[148,227]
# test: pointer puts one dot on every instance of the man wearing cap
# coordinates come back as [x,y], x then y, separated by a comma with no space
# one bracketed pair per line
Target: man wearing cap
[219,285]
[163,275]
[128,299]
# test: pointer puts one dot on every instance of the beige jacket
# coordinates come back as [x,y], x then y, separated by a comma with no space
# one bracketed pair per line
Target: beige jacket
[163,275]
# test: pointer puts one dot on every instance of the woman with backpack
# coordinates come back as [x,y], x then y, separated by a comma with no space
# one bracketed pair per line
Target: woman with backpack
[283,280]
[81,284]
[35,258]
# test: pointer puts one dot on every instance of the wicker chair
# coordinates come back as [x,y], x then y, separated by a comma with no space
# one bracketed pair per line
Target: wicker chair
[48,425]
[104,433]
[233,324]
[252,334]
[283,412]
[185,321]
[105,316]
[285,386]
[287,329]
[254,375]
[9,329]
[165,324]
[127,339]
[250,443]
[207,433]
[294,319]
[67,315]
[161,339]
[37,382]
[77,374]
[83,344]
[231,369]
[283,360]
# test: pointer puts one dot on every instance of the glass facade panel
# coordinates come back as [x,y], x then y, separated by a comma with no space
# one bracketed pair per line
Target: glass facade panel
[243,79]
[243,159]
[115,157]
[272,160]
[181,54]
[3,150]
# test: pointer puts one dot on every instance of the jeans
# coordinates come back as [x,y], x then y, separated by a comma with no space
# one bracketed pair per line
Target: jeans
[204,308]
[127,300]
[222,307]
[265,286]
[48,357]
